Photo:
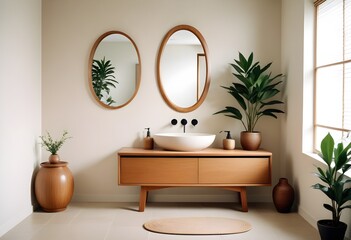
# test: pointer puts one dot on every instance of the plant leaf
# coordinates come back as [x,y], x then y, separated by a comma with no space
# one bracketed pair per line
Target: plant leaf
[274,102]
[346,167]
[243,62]
[327,147]
[266,67]
[326,190]
[237,68]
[234,112]
[329,207]
[238,98]
[270,112]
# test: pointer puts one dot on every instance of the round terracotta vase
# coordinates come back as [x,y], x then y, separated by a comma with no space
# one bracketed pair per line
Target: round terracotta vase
[54,186]
[250,140]
[283,196]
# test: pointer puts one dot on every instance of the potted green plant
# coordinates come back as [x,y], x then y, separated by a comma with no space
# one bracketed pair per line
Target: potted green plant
[335,187]
[253,92]
[53,146]
[103,79]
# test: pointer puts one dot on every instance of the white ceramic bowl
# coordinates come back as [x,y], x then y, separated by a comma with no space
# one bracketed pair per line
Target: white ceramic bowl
[184,141]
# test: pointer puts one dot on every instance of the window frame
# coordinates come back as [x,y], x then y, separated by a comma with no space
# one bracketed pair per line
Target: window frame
[316,125]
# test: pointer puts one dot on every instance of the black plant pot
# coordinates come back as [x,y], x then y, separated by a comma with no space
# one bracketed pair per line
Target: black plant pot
[329,232]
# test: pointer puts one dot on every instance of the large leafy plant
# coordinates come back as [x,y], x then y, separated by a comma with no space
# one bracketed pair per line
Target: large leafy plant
[252,92]
[103,79]
[335,182]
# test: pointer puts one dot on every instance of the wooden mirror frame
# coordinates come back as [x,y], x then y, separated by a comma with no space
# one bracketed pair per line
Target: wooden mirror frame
[90,65]
[158,70]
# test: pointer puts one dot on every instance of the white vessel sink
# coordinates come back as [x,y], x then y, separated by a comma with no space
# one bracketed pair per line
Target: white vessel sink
[184,141]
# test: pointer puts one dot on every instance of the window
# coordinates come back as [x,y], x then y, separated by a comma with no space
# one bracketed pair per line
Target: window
[332,70]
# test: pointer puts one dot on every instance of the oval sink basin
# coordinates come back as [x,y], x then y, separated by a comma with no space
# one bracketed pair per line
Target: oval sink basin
[184,141]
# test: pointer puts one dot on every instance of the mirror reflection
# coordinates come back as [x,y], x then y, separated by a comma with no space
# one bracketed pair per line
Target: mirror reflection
[183,68]
[114,70]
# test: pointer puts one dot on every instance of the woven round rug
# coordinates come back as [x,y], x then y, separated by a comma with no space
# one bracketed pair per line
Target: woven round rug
[197,226]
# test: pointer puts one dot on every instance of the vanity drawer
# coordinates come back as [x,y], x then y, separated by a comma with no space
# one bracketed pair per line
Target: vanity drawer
[159,170]
[239,171]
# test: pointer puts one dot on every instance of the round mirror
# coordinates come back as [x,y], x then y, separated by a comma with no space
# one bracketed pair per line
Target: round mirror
[183,68]
[114,69]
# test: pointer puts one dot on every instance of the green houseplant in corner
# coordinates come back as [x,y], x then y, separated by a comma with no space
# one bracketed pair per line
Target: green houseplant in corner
[335,187]
[253,93]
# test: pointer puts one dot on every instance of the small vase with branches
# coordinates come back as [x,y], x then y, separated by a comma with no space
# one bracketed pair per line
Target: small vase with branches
[53,146]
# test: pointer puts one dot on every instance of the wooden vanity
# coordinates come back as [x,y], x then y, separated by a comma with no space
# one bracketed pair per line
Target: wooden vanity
[232,170]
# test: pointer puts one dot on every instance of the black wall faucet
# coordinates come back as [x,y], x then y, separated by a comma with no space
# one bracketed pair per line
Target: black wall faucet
[184,122]
[174,122]
[194,122]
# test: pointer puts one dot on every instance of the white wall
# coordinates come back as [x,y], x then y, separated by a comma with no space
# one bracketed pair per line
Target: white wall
[20,108]
[70,29]
[297,63]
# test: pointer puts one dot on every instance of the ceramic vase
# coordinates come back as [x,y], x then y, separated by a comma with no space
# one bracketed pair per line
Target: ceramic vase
[54,186]
[283,196]
[54,158]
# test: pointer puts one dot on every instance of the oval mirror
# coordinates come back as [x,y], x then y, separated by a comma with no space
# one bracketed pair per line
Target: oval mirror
[114,70]
[183,68]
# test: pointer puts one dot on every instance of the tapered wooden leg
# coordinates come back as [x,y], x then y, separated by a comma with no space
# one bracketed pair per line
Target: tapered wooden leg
[144,192]
[142,200]
[243,199]
[242,196]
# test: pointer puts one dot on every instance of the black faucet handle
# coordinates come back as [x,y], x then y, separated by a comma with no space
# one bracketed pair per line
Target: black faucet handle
[174,122]
[194,122]
[184,122]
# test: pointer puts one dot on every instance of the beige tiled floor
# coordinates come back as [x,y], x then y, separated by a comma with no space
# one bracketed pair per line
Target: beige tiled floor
[121,221]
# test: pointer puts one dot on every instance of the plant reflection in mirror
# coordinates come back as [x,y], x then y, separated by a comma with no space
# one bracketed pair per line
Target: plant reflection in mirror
[103,79]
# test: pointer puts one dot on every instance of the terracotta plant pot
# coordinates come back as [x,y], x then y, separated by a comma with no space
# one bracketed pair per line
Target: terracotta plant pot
[283,196]
[250,140]
[329,232]
[54,158]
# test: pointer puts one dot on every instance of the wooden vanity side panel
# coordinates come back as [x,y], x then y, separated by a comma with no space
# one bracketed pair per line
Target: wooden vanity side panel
[236,171]
[159,170]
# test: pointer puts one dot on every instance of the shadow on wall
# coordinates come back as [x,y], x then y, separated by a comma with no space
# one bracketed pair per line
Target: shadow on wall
[34,200]
[98,181]
[36,166]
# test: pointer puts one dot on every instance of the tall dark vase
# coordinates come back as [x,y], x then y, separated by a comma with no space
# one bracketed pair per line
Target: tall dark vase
[283,196]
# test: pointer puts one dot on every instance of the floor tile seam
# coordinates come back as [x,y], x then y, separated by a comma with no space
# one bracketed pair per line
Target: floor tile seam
[42,226]
[49,223]
[110,226]
[70,221]
[75,216]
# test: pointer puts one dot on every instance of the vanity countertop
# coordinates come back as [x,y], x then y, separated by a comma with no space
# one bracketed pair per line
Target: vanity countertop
[203,153]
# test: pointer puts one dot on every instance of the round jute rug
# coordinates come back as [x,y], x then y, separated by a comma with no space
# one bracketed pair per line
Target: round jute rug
[198,226]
